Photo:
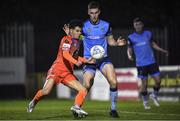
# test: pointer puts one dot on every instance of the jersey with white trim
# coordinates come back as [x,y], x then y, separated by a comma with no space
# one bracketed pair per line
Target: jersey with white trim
[141,44]
[95,34]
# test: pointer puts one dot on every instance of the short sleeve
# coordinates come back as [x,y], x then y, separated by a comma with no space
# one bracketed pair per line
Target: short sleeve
[66,44]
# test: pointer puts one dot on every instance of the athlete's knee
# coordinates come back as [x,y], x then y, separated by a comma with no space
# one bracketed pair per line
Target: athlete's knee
[113,83]
[88,85]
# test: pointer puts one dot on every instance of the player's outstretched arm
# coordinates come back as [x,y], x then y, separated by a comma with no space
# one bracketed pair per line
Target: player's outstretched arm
[156,47]
[119,42]
[84,60]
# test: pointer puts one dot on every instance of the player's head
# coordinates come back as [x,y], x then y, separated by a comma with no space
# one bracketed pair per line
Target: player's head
[94,11]
[75,28]
[138,25]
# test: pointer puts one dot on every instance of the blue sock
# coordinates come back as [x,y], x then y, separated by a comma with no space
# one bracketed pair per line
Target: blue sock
[144,96]
[113,96]
[156,91]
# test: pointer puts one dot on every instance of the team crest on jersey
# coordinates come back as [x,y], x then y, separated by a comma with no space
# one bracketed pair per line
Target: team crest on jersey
[88,30]
[66,41]
[103,29]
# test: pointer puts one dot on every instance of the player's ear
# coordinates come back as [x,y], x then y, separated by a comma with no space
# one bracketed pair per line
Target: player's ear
[99,11]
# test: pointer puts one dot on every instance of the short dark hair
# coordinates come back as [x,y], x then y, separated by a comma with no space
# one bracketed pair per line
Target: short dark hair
[137,19]
[74,23]
[93,4]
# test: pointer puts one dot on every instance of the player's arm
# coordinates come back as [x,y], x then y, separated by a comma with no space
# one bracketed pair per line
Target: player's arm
[156,47]
[130,51]
[68,56]
[84,60]
[112,42]
[66,45]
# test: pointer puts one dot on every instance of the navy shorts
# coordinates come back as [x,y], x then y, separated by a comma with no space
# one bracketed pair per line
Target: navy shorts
[144,71]
[98,65]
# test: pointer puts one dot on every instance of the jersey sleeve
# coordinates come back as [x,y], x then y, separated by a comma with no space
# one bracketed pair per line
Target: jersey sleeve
[130,44]
[109,32]
[66,44]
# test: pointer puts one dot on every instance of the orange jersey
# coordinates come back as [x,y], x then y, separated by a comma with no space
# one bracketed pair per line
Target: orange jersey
[61,65]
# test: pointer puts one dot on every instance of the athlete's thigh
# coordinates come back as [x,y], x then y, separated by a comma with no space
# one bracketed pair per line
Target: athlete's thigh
[74,84]
[88,79]
[71,81]
[88,75]
[109,72]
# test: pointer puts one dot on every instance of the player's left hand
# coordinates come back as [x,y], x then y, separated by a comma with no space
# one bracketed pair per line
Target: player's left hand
[121,41]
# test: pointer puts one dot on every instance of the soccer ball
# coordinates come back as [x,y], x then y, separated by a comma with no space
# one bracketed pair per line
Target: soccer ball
[97,52]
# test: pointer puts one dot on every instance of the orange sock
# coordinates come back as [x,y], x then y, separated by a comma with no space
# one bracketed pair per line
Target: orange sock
[38,96]
[80,97]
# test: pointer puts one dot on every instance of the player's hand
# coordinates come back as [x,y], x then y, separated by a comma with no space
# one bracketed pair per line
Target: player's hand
[130,58]
[66,28]
[121,41]
[91,60]
[79,63]
[166,52]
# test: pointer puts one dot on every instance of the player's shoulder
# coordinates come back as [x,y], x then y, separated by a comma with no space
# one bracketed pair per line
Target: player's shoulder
[131,34]
[147,31]
[103,21]
[87,22]
[66,39]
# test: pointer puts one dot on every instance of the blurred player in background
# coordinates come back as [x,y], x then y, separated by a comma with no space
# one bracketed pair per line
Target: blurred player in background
[99,32]
[141,43]
[62,69]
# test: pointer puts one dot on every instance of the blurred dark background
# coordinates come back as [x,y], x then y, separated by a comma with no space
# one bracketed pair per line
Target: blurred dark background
[48,18]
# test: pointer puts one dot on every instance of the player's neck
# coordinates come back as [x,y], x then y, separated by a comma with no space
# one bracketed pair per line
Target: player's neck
[94,22]
[139,32]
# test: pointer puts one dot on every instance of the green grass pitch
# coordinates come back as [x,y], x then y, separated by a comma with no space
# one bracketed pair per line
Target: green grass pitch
[97,110]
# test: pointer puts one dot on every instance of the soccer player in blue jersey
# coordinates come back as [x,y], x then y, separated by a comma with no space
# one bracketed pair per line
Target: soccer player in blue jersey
[99,32]
[141,43]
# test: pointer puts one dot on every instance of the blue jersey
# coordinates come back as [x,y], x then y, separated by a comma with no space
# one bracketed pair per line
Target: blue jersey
[141,44]
[95,34]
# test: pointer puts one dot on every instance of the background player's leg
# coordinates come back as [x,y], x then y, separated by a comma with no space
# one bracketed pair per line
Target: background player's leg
[157,84]
[144,93]
[45,91]
[109,72]
[156,88]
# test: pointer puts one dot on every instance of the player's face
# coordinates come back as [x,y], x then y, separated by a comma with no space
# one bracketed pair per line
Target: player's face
[138,26]
[94,14]
[76,32]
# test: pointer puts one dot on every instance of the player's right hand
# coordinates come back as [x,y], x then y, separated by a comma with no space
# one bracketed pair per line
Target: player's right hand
[130,58]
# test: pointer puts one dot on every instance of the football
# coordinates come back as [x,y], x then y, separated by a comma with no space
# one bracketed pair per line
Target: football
[97,52]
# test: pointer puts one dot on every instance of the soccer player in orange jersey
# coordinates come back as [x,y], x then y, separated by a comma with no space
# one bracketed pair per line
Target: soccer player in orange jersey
[61,70]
